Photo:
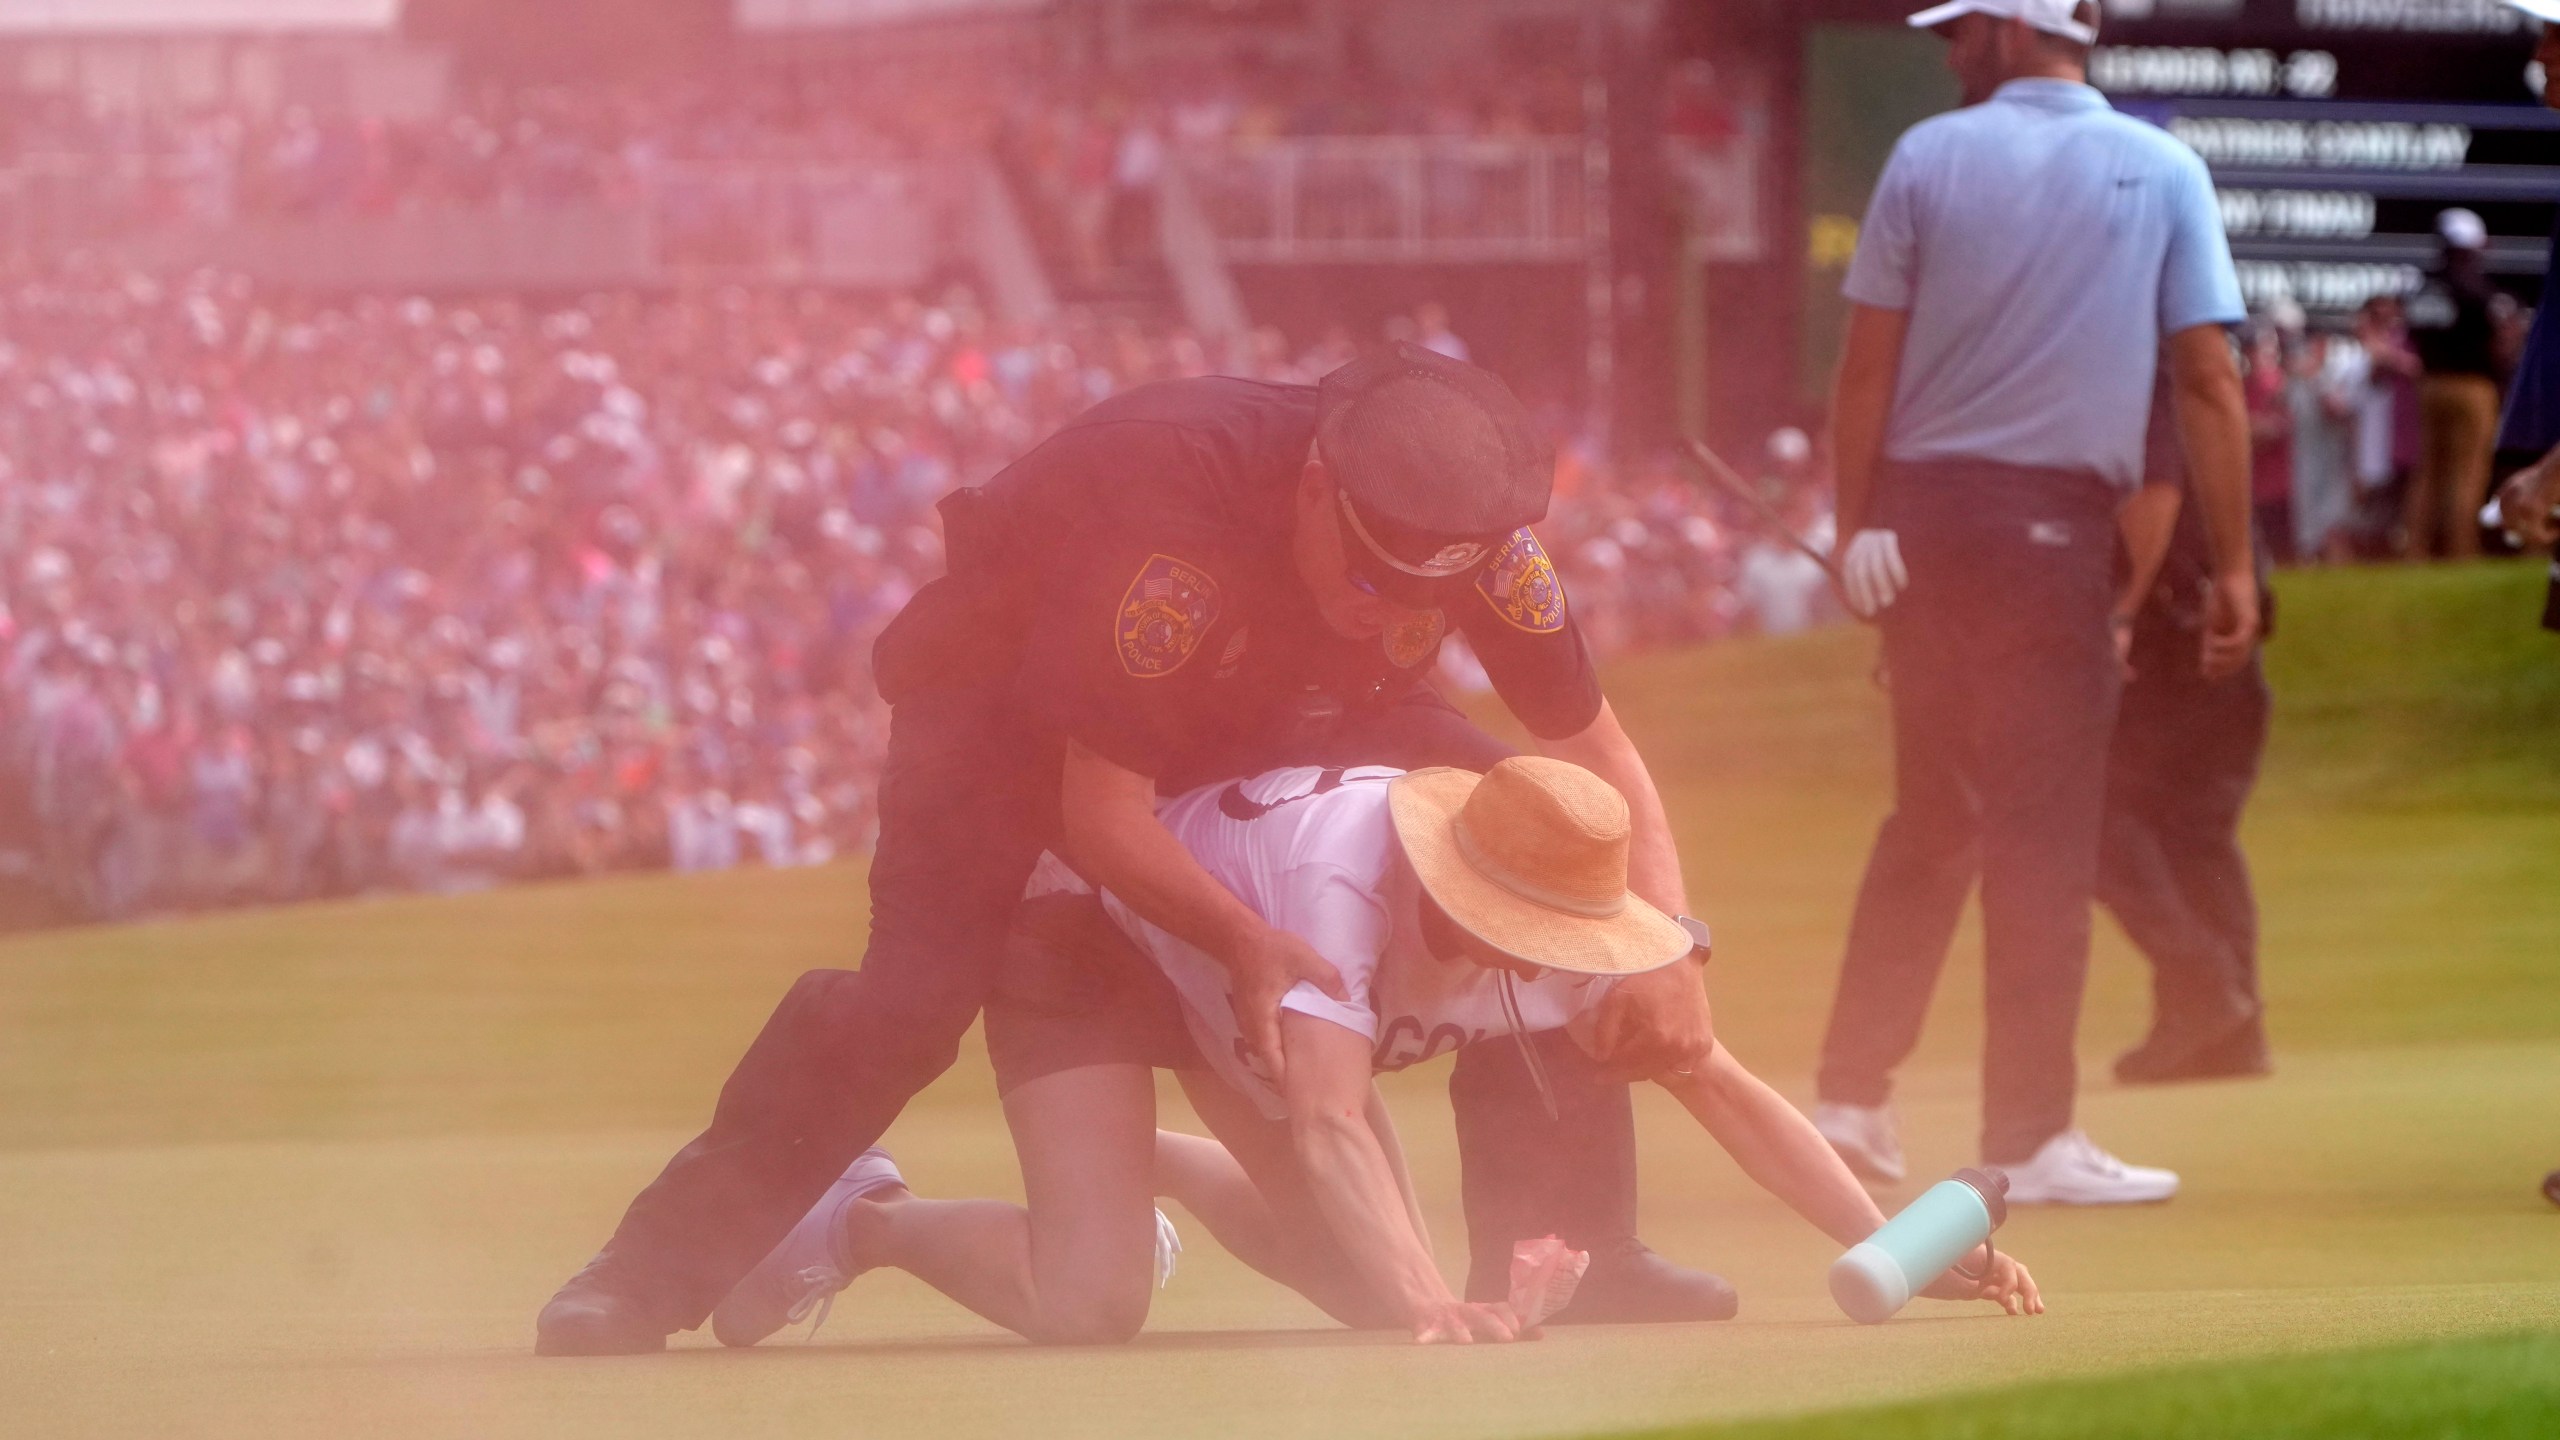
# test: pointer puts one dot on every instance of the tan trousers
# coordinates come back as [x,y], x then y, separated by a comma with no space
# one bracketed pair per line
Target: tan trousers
[2457,441]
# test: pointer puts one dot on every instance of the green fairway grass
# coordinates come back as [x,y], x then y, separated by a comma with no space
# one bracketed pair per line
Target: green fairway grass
[310,1171]
[2503,1388]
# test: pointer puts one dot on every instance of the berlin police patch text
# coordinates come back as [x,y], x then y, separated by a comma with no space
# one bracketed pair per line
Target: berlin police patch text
[1521,586]
[1164,615]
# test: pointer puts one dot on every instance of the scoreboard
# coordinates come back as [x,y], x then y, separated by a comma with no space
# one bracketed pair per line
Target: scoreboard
[2337,129]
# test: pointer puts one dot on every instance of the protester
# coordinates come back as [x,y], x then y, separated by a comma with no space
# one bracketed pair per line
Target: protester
[1309,1186]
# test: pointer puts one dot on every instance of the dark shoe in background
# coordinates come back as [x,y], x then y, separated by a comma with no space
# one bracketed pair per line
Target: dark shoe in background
[592,1315]
[1629,1284]
[2236,1049]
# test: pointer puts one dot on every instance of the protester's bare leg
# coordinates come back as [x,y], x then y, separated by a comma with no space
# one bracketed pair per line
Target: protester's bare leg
[1200,1175]
[1076,1266]
[1298,1248]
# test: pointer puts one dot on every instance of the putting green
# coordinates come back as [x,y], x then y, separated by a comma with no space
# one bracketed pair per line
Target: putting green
[2503,1388]
[311,1171]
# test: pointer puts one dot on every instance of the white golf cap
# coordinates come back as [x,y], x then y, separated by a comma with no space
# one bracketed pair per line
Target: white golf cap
[2462,229]
[2070,19]
[2547,11]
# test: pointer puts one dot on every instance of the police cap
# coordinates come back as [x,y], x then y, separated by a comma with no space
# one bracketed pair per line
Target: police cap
[1435,462]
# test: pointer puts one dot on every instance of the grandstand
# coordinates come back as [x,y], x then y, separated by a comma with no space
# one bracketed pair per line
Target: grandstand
[435,462]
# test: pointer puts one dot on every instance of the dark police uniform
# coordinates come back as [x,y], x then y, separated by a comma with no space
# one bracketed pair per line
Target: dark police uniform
[1127,585]
[2180,770]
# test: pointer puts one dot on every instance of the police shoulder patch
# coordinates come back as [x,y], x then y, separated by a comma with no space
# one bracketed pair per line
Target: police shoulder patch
[1164,615]
[1520,584]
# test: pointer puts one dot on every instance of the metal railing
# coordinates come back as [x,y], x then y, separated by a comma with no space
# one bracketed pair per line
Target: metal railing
[870,224]
[1372,199]
[854,225]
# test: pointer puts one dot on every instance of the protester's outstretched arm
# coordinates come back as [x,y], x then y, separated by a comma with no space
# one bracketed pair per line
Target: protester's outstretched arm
[1779,1148]
[1776,1146]
[1327,1086]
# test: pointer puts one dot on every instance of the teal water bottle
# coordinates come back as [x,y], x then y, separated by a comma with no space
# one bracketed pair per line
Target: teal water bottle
[1880,1274]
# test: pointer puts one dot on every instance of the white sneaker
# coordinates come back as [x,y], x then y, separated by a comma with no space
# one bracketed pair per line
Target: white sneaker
[1865,1136]
[806,1271]
[2072,1170]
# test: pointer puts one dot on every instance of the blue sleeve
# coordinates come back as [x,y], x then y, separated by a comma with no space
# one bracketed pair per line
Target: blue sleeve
[2198,285]
[1886,269]
[2533,404]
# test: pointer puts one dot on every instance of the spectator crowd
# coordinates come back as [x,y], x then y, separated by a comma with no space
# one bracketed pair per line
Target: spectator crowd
[2373,435]
[307,598]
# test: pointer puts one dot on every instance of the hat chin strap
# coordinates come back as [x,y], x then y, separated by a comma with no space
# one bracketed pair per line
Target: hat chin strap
[1501,876]
[1528,1053]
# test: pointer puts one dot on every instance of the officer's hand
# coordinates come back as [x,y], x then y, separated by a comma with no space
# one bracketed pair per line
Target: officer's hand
[1871,572]
[1654,1022]
[2525,503]
[2230,623]
[1265,968]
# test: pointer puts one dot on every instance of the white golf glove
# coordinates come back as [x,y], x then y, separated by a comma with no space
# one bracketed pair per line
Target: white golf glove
[1871,571]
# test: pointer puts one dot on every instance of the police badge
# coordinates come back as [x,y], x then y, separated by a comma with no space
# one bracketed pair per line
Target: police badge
[1521,586]
[1164,615]
[1409,642]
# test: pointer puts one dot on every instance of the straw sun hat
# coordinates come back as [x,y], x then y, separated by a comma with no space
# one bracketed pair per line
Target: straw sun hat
[1531,858]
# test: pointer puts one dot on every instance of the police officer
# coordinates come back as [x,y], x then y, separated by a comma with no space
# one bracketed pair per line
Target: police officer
[2179,773]
[2025,263]
[1196,579]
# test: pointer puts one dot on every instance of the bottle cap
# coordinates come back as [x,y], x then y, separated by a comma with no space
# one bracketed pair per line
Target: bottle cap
[1992,1184]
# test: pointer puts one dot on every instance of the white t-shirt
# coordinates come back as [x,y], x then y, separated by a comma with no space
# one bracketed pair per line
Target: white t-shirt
[1329,869]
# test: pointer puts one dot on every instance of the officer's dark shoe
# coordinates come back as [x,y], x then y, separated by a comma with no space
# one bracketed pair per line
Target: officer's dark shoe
[590,1316]
[2551,1187]
[2235,1050]
[1628,1284]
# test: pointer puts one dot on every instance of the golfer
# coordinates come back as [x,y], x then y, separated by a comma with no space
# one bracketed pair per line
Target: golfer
[2025,262]
[1461,912]
[1198,579]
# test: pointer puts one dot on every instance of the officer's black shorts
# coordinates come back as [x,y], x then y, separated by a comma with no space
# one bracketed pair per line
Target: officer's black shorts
[1075,991]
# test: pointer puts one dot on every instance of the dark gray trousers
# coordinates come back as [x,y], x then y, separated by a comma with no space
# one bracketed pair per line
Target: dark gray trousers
[2004,685]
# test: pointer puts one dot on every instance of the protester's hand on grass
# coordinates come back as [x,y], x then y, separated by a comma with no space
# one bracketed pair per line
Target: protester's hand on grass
[1461,1322]
[1264,969]
[2006,1284]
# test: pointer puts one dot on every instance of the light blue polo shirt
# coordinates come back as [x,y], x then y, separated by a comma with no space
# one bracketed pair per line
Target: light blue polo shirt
[2043,245]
